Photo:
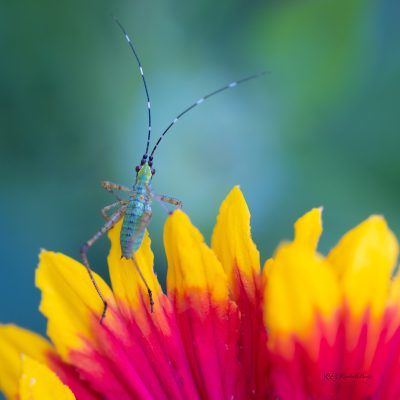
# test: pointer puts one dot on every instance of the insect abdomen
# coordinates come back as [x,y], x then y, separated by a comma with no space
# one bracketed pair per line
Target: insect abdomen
[132,231]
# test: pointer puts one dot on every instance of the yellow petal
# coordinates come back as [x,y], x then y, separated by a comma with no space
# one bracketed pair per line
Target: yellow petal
[13,342]
[127,285]
[363,260]
[308,229]
[69,300]
[232,243]
[40,383]
[301,288]
[267,266]
[192,265]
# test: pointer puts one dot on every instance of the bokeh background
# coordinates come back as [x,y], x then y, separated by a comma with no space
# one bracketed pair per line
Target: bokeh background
[321,129]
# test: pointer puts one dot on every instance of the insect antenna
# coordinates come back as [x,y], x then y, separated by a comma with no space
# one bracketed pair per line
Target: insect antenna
[144,83]
[201,100]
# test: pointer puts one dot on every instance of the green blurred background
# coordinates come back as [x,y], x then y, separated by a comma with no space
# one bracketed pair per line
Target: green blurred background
[321,129]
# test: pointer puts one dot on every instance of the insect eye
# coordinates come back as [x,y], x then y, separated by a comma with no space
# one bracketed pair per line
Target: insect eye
[137,169]
[153,171]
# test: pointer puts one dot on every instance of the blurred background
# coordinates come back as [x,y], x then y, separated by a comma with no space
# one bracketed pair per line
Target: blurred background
[321,129]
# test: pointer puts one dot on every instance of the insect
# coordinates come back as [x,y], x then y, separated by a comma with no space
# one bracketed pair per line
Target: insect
[136,210]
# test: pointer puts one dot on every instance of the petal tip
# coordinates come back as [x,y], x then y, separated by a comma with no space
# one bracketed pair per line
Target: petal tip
[308,228]
[235,195]
[44,253]
[178,216]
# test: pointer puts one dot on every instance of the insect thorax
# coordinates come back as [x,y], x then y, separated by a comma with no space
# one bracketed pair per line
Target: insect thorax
[144,175]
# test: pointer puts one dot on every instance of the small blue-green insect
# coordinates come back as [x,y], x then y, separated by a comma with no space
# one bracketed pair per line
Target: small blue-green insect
[136,210]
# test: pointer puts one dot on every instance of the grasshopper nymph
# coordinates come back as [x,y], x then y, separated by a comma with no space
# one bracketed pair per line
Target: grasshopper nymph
[136,210]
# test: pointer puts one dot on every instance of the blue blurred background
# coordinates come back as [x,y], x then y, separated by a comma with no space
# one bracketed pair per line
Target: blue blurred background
[321,129]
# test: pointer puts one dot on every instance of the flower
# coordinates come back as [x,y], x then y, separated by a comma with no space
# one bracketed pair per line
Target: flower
[306,327]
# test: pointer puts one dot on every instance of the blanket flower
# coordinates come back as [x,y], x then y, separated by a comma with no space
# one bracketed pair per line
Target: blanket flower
[307,326]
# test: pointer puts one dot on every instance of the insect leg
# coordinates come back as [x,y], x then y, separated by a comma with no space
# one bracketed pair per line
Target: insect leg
[150,293]
[144,222]
[104,210]
[170,200]
[164,199]
[84,249]
[110,187]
